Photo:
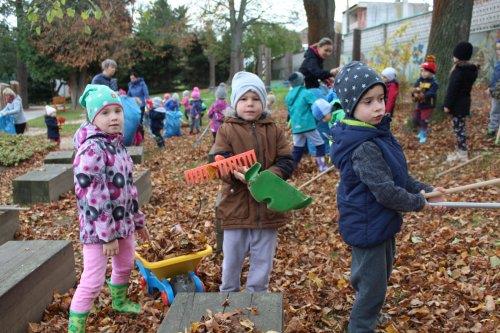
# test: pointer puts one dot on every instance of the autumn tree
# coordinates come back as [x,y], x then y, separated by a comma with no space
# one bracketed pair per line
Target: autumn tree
[79,40]
[451,21]
[320,23]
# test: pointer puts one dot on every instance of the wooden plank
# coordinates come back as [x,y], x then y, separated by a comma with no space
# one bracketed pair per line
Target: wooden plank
[270,307]
[238,300]
[9,223]
[183,303]
[190,307]
[60,157]
[202,302]
[30,271]
[136,153]
[44,185]
[142,180]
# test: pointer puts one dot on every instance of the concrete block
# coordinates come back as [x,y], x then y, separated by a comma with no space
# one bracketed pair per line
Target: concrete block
[30,272]
[60,157]
[142,180]
[136,153]
[44,185]
[9,223]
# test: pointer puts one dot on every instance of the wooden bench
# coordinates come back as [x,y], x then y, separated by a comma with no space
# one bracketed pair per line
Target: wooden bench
[45,185]
[189,307]
[142,180]
[30,272]
[136,153]
[9,223]
[59,103]
[60,157]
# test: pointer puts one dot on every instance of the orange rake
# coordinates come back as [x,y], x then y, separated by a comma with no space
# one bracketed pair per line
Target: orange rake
[221,167]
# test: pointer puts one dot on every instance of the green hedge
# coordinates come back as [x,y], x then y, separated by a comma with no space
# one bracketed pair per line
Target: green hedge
[17,148]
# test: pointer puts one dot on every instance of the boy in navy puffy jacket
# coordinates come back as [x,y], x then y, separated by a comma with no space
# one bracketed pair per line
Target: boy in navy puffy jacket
[374,189]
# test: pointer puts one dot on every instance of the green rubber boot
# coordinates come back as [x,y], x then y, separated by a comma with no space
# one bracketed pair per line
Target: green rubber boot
[279,196]
[77,322]
[119,299]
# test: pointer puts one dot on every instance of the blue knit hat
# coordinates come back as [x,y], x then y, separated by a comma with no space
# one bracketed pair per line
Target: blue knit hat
[353,81]
[321,108]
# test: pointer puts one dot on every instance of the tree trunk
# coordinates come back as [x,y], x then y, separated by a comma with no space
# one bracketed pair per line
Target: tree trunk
[77,82]
[211,64]
[320,23]
[451,21]
[21,69]
[236,25]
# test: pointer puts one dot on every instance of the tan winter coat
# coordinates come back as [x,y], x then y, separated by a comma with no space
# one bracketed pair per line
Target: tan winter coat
[237,208]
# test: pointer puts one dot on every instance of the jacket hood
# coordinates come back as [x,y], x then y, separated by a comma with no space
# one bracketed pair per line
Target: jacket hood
[293,94]
[348,134]
[88,131]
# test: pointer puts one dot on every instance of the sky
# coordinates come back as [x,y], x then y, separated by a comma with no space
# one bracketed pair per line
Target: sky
[278,6]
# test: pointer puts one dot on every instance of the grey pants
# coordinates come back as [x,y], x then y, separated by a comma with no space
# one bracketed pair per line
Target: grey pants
[260,244]
[370,272]
[494,115]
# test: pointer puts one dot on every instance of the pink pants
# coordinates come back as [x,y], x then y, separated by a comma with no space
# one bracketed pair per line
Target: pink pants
[94,272]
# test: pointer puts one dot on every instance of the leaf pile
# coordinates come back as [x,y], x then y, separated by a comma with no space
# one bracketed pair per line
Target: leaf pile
[228,322]
[167,244]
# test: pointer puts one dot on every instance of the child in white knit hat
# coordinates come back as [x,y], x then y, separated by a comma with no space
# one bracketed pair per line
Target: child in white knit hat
[52,124]
[249,227]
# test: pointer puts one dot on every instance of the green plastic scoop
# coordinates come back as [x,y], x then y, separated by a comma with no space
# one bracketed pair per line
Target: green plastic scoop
[279,195]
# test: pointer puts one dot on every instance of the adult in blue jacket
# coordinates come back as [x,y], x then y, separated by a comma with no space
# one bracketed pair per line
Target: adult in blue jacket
[137,88]
[106,77]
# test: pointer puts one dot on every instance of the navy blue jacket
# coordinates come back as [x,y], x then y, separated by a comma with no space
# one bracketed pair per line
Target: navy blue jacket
[375,186]
[105,81]
[312,68]
[429,87]
[52,128]
[157,116]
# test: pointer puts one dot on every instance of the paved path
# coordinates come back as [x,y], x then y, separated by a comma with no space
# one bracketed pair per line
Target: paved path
[34,111]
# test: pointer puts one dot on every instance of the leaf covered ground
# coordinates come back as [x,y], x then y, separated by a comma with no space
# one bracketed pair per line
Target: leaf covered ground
[446,274]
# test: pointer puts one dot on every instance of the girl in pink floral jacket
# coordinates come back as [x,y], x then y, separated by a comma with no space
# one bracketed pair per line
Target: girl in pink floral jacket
[108,208]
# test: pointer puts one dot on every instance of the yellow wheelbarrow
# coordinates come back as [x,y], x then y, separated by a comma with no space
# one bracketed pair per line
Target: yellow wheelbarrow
[172,275]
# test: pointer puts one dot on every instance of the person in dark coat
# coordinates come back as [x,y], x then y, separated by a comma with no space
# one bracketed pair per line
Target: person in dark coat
[52,124]
[106,77]
[157,116]
[312,66]
[457,100]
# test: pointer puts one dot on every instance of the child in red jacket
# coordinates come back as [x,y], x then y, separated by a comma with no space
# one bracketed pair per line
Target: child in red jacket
[389,76]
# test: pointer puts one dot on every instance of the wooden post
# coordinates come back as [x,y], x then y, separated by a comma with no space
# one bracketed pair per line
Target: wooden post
[337,49]
[267,67]
[356,44]
[288,65]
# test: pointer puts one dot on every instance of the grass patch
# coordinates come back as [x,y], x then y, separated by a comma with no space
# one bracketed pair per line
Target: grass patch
[17,148]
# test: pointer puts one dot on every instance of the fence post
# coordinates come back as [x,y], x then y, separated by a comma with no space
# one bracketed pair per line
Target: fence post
[356,44]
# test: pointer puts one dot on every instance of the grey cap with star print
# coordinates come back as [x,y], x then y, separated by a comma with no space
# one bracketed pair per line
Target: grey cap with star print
[352,82]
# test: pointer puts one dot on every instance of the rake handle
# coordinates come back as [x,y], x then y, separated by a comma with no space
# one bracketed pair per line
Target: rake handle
[433,194]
